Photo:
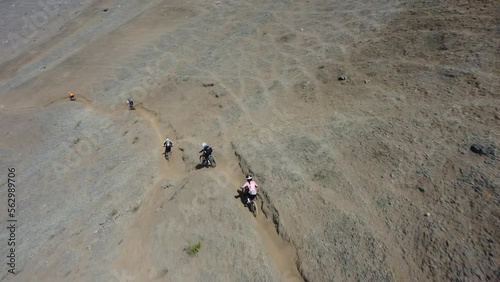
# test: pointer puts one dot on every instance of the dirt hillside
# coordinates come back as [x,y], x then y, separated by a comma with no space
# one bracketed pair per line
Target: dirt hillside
[371,127]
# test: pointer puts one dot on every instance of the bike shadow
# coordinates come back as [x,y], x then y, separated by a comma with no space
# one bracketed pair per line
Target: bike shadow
[200,166]
[241,196]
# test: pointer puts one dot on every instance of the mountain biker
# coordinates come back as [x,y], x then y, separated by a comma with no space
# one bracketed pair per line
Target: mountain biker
[168,145]
[249,189]
[207,151]
[130,103]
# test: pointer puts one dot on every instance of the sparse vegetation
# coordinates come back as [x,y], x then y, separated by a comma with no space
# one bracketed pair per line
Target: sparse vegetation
[163,273]
[193,249]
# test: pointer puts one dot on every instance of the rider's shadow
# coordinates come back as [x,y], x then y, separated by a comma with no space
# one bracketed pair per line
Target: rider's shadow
[241,195]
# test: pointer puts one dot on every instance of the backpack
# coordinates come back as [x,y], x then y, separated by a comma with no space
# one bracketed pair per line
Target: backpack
[208,150]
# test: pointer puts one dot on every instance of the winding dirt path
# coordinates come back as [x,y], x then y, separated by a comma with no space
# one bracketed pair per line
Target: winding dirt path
[134,260]
[281,253]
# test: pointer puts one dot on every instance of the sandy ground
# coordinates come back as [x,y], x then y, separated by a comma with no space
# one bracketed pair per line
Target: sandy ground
[365,178]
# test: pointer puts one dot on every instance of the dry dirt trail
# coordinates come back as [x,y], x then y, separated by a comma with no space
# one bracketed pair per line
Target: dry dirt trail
[281,253]
[135,258]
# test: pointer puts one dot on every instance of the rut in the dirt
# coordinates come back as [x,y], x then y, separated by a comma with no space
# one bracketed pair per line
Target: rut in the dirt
[275,239]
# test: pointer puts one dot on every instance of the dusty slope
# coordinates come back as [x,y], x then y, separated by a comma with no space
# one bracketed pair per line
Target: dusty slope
[340,162]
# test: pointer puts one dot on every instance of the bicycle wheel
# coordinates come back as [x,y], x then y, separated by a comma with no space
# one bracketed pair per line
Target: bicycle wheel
[253,208]
[212,161]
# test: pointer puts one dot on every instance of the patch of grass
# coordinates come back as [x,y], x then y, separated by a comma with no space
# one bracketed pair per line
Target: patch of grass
[193,249]
[163,273]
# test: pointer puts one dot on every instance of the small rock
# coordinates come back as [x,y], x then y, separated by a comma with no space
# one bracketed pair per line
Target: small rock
[342,77]
[478,149]
[481,150]
[366,81]
[392,175]
[421,189]
[427,214]
[208,84]
[442,47]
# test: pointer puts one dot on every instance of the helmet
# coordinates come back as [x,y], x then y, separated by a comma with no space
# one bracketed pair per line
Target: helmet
[204,145]
[249,177]
[167,139]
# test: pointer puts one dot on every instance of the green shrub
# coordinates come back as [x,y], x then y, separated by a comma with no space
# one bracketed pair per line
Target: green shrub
[193,249]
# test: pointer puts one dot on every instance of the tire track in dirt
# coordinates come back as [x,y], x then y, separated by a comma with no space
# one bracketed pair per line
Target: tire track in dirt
[172,167]
[8,109]
[81,99]
[135,256]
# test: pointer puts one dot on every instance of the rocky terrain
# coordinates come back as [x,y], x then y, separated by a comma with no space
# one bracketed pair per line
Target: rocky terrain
[372,128]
